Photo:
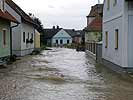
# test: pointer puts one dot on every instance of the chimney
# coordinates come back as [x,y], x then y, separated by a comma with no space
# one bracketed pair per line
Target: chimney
[58,27]
[73,30]
[53,27]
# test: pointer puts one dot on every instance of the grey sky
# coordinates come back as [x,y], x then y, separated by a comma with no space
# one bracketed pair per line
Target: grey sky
[65,13]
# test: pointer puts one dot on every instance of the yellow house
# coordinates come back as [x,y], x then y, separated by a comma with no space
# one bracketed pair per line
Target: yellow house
[37,40]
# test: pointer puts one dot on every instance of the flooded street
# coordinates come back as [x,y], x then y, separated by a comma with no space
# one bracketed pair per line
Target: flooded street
[62,74]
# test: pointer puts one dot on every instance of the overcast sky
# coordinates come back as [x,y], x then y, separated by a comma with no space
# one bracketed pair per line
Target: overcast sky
[65,13]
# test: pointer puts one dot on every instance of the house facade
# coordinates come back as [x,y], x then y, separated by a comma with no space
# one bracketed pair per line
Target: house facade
[57,37]
[37,40]
[5,34]
[94,24]
[61,38]
[117,34]
[23,34]
[93,31]
[76,36]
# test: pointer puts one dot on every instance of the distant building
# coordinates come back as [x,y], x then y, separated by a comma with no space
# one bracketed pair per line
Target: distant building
[5,34]
[56,37]
[93,31]
[118,35]
[23,34]
[76,36]
[94,24]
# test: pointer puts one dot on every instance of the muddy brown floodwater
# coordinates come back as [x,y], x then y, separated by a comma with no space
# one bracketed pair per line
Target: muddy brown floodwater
[62,74]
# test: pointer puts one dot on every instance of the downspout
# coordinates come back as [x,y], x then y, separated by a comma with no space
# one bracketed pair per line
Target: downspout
[11,37]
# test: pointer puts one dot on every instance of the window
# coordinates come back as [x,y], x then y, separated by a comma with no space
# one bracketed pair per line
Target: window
[28,35]
[130,5]
[4,38]
[61,41]
[56,41]
[68,42]
[106,40]
[115,2]
[108,4]
[116,38]
[24,37]
[31,35]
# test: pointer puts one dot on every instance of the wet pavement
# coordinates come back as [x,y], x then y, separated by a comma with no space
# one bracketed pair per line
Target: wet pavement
[62,74]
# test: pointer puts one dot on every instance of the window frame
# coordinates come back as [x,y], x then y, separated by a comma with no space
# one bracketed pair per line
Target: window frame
[4,37]
[106,39]
[57,42]
[108,4]
[116,39]
[28,35]
[24,37]
[68,41]
[115,3]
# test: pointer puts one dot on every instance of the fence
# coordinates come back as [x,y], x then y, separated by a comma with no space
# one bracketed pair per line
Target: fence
[91,46]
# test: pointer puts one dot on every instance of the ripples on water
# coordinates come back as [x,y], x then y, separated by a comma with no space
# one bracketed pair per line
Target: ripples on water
[63,74]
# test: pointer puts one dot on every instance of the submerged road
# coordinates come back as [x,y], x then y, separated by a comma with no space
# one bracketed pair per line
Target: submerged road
[62,74]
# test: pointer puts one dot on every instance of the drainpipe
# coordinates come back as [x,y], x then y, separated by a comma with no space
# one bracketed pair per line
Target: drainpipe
[11,37]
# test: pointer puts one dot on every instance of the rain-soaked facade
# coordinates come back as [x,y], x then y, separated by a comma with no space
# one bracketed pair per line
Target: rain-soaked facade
[62,74]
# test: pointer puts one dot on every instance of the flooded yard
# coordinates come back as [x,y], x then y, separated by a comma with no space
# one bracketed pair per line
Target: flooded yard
[62,74]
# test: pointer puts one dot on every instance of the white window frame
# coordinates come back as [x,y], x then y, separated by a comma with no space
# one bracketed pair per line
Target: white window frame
[4,44]
[108,4]
[115,3]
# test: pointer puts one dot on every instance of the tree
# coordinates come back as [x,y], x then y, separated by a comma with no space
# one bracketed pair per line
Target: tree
[39,24]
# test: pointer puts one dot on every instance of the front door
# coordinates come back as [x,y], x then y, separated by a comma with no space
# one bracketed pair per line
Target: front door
[61,41]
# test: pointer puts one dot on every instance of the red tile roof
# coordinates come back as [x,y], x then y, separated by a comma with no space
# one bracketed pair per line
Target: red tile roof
[5,15]
[96,10]
[23,15]
[95,25]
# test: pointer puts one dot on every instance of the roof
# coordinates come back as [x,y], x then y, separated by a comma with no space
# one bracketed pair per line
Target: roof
[96,10]
[49,33]
[95,25]
[23,15]
[5,15]
[72,32]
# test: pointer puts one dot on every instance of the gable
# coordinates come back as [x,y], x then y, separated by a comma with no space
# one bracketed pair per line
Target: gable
[62,34]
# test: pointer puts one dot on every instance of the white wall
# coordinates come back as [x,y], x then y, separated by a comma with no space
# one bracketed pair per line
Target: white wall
[111,53]
[62,35]
[27,48]
[129,16]
[19,47]
[16,31]
[114,18]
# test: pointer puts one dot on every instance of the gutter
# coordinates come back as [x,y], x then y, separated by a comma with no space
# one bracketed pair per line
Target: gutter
[11,37]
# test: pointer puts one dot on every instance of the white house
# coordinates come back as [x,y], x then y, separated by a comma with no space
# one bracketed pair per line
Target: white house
[57,37]
[118,34]
[23,34]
